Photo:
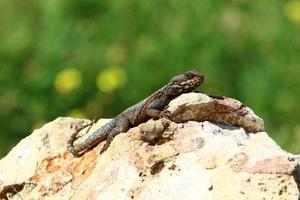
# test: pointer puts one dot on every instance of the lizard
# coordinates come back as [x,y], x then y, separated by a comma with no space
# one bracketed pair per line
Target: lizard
[151,107]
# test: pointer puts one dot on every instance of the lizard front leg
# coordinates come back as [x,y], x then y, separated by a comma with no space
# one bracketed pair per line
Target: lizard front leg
[122,125]
[155,107]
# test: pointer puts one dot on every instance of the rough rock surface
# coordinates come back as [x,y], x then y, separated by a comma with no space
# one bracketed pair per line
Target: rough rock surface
[201,107]
[189,159]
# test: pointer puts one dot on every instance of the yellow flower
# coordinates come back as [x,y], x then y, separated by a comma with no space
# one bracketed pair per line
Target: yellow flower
[111,79]
[67,80]
[292,11]
[77,113]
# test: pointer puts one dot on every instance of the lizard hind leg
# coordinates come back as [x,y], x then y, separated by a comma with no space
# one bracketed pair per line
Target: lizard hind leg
[74,137]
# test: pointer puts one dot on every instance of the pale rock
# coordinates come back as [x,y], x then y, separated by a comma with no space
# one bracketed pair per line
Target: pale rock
[184,160]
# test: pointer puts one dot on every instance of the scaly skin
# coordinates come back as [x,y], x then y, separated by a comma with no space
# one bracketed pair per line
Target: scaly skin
[150,107]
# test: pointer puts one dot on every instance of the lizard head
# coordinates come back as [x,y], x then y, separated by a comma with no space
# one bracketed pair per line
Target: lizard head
[184,83]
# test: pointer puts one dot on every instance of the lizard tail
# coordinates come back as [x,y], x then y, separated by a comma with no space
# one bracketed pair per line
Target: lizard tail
[96,137]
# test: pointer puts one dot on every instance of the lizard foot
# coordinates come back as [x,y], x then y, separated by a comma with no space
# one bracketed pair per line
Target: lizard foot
[165,114]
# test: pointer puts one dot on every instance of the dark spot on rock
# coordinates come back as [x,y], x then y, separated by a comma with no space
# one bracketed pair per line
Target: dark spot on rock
[291,159]
[157,167]
[211,188]
[282,190]
[140,174]
[263,189]
[11,190]
[132,197]
[172,167]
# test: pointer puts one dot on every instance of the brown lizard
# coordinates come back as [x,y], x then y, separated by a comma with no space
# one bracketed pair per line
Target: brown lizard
[150,107]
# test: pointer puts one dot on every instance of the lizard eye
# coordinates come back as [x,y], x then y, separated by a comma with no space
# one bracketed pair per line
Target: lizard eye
[189,75]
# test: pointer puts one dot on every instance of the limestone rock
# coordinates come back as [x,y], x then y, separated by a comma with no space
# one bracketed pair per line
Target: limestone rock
[159,159]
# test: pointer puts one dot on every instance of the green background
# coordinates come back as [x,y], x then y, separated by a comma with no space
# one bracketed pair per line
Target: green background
[55,56]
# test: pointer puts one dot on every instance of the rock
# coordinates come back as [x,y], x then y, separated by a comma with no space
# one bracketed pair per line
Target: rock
[201,107]
[154,132]
[188,159]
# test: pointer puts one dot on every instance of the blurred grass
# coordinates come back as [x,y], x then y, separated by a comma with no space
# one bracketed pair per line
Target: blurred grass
[95,58]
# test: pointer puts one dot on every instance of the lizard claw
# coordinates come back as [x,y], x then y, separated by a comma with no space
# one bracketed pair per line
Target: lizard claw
[106,145]
[165,114]
[74,152]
